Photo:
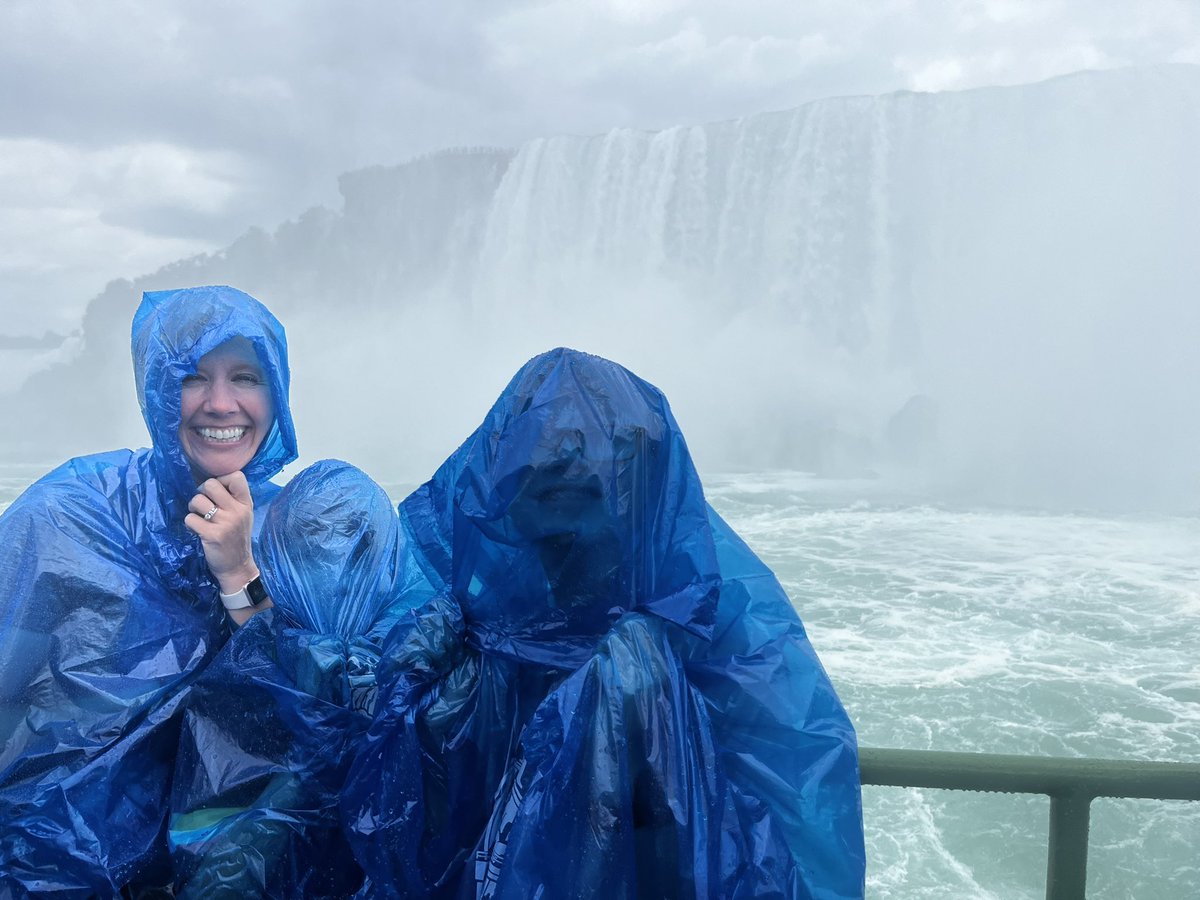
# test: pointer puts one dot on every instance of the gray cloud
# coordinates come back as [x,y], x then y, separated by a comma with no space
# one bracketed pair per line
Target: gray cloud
[134,133]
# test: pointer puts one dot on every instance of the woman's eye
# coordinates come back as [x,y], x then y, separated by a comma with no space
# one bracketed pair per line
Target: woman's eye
[247,378]
[192,380]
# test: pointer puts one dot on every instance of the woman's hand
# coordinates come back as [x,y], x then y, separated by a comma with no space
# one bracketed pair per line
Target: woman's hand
[222,514]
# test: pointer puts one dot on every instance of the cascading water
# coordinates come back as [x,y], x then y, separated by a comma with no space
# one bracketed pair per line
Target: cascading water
[998,285]
[1019,256]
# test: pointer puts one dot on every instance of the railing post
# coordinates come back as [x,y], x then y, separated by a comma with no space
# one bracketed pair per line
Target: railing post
[1066,867]
[1071,783]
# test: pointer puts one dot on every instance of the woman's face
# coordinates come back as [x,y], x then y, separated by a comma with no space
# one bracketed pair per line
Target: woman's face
[226,410]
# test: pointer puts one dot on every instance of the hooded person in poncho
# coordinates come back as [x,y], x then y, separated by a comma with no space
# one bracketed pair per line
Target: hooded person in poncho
[611,697]
[111,573]
[290,695]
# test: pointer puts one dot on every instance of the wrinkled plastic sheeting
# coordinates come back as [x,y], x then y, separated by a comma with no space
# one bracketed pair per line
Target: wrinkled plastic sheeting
[651,809]
[711,743]
[446,726]
[271,722]
[596,617]
[107,610]
[333,557]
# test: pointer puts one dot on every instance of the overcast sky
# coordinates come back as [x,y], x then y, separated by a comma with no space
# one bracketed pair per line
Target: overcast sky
[136,133]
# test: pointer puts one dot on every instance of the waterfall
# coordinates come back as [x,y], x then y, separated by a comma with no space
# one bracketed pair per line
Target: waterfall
[994,289]
[1018,259]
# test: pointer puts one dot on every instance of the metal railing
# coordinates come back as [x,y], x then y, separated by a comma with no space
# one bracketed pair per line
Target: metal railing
[1071,785]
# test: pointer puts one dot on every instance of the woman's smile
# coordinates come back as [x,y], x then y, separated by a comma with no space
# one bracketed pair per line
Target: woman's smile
[223,435]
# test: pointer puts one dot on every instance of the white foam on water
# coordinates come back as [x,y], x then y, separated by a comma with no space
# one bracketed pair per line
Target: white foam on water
[995,630]
[912,853]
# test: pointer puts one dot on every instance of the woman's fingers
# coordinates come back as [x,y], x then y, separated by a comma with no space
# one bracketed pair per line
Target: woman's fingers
[201,504]
[228,492]
[237,486]
[218,493]
[221,512]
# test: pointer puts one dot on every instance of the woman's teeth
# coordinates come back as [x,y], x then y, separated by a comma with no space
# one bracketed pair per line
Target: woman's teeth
[226,435]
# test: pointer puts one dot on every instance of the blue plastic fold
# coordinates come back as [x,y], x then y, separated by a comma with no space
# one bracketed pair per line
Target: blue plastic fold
[617,789]
[107,611]
[611,696]
[271,721]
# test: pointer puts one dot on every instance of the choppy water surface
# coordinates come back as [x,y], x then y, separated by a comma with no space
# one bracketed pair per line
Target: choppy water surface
[1000,631]
[987,630]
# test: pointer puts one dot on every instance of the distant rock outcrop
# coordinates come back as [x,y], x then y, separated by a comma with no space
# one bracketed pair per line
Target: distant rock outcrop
[401,229]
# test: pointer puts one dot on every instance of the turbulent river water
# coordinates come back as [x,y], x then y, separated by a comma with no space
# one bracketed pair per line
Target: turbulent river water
[987,630]
[1003,631]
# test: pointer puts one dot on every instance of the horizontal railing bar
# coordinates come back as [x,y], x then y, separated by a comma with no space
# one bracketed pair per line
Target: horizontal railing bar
[1009,773]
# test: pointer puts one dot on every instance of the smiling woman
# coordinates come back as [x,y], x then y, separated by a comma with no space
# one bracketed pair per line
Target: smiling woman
[113,572]
[225,410]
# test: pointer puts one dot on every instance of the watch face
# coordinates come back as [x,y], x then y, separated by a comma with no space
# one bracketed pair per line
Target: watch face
[256,591]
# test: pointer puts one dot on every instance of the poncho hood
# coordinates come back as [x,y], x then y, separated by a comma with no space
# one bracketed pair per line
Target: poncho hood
[332,555]
[576,502]
[172,330]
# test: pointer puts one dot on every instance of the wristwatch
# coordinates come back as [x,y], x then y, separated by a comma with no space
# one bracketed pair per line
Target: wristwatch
[251,595]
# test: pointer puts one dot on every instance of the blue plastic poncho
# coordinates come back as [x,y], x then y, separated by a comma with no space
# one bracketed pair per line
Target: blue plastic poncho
[290,694]
[612,697]
[107,610]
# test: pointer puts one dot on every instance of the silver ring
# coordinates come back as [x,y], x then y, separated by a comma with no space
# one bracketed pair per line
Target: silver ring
[208,515]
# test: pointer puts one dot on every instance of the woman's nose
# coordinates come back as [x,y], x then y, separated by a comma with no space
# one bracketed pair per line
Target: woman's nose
[219,398]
